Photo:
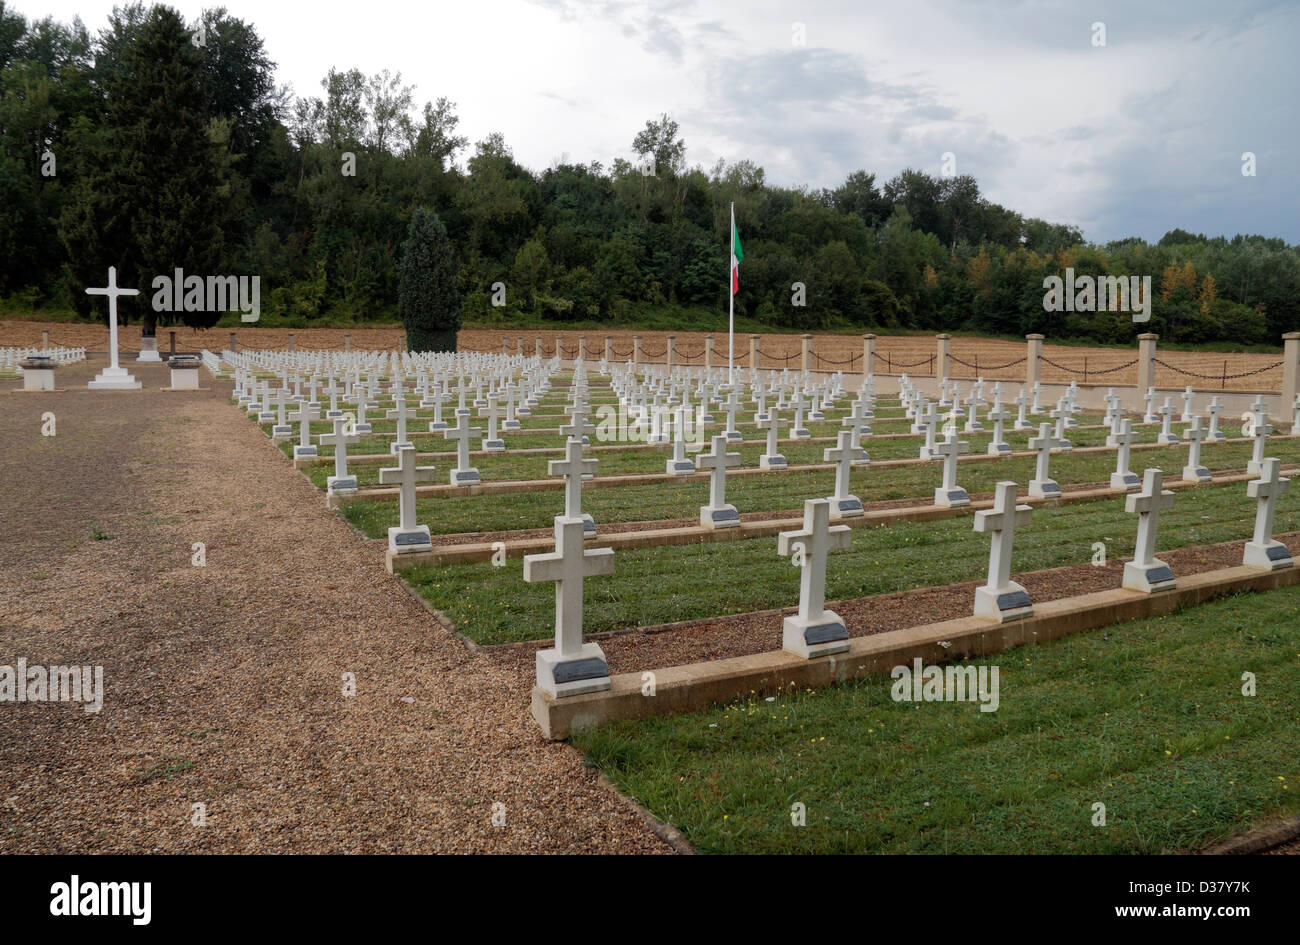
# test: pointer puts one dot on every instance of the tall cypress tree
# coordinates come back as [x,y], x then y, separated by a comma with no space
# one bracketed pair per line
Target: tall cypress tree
[427,298]
[154,194]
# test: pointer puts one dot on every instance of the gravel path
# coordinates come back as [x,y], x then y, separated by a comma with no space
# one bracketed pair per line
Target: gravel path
[224,683]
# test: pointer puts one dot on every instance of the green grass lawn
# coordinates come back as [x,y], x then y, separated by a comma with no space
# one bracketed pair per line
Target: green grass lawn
[685,582]
[447,515]
[1147,718]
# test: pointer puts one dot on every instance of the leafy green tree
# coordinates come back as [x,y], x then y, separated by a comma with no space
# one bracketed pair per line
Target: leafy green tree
[428,300]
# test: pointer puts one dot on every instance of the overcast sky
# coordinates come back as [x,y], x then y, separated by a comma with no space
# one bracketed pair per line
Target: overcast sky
[1135,137]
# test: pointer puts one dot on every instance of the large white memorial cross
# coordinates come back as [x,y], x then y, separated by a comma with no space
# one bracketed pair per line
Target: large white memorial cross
[407,536]
[1146,572]
[573,468]
[1001,598]
[571,667]
[113,377]
[718,514]
[814,631]
[1262,551]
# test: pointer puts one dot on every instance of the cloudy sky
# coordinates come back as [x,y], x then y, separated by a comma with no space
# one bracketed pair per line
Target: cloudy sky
[1133,137]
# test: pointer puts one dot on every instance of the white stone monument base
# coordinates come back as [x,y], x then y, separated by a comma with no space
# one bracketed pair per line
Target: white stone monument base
[953,498]
[574,674]
[813,638]
[800,433]
[362,429]
[148,349]
[1150,578]
[1127,481]
[1169,439]
[719,516]
[110,378]
[1044,489]
[1003,603]
[657,439]
[1018,426]
[266,416]
[405,541]
[848,507]
[464,477]
[185,378]
[281,433]
[38,378]
[679,467]
[588,525]
[734,436]
[997,449]
[505,425]
[776,461]
[1273,556]
[303,452]
[1254,467]
[341,485]
[1196,474]
[493,446]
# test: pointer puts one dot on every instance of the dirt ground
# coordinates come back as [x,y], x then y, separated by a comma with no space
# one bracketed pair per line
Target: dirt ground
[972,357]
[224,683]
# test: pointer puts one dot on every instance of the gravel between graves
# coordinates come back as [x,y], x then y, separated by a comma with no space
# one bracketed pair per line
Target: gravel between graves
[223,683]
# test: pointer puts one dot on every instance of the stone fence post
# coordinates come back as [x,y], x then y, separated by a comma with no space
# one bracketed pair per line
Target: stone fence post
[941,356]
[1033,364]
[1146,365]
[1290,372]
[868,355]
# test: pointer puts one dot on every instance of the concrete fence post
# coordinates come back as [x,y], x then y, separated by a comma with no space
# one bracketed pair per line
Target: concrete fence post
[538,345]
[753,352]
[805,354]
[670,354]
[708,352]
[868,355]
[1033,363]
[347,342]
[636,352]
[290,341]
[941,356]
[1290,372]
[609,349]
[1146,365]
[232,342]
[582,347]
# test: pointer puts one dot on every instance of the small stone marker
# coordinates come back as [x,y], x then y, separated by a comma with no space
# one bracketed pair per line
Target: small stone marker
[1146,572]
[407,536]
[38,372]
[1262,551]
[1043,486]
[574,468]
[1194,471]
[1002,599]
[718,514]
[842,503]
[571,667]
[814,631]
[950,494]
[464,473]
[184,370]
[340,483]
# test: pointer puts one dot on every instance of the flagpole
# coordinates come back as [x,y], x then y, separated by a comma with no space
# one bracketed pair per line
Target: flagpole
[731,302]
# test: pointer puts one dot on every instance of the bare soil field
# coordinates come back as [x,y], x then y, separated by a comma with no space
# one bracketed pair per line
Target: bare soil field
[915,354]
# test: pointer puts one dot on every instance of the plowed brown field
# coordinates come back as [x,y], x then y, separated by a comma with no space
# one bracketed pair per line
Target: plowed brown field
[990,358]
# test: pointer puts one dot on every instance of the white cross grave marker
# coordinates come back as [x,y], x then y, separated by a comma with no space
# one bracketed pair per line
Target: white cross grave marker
[407,536]
[574,468]
[1146,572]
[464,473]
[1043,486]
[340,483]
[1194,471]
[1262,551]
[1123,477]
[1002,599]
[949,493]
[571,667]
[718,514]
[842,503]
[814,631]
[771,459]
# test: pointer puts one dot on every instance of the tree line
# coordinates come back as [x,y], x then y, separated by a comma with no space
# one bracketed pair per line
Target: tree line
[157,144]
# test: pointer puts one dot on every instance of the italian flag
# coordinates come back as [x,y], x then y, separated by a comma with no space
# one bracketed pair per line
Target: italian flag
[736,254]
